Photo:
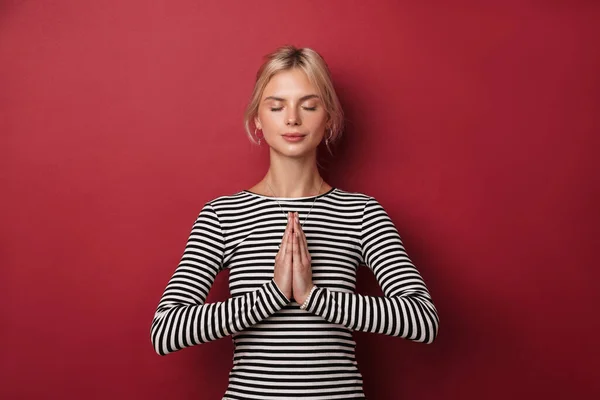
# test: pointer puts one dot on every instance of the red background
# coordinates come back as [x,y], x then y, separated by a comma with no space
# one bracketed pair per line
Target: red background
[475,125]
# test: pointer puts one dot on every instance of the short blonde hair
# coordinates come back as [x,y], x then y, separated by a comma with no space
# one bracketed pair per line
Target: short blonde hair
[314,66]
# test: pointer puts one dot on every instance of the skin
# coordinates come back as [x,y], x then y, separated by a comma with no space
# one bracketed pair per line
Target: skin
[290,103]
[293,270]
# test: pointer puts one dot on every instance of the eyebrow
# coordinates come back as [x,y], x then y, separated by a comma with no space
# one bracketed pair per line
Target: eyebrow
[308,96]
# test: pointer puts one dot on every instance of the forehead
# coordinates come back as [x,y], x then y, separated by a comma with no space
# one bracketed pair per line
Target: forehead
[289,83]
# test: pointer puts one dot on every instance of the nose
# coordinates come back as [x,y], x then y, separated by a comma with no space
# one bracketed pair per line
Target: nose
[293,118]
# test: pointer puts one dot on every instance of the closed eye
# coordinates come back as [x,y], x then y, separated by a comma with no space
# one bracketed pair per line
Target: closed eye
[305,108]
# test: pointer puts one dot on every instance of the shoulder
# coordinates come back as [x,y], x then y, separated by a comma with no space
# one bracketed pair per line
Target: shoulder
[369,206]
[228,199]
[356,197]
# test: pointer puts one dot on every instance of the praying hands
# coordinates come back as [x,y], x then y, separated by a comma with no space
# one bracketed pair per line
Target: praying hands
[293,271]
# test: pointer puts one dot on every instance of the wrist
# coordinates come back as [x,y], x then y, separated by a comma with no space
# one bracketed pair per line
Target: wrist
[286,294]
[304,304]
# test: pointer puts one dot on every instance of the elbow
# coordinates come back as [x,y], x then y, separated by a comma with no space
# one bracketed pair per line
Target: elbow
[432,334]
[158,349]
[155,337]
[427,337]
[429,322]
[432,323]
[163,336]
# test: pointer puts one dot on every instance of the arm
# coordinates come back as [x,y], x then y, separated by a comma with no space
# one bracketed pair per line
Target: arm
[405,310]
[182,319]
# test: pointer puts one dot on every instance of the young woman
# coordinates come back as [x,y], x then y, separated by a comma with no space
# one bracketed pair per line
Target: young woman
[292,244]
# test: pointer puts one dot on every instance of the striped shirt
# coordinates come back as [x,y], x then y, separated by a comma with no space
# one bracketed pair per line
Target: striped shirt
[280,350]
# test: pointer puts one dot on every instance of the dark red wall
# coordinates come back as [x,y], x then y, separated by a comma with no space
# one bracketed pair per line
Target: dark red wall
[477,126]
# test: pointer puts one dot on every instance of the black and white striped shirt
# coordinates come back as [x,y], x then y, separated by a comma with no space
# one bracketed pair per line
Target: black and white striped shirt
[282,351]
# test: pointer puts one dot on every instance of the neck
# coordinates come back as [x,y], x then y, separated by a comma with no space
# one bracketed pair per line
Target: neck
[293,177]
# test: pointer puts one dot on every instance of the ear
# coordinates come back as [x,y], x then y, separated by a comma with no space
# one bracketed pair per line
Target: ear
[257,123]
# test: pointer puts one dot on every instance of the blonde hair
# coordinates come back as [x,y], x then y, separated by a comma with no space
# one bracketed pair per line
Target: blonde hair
[314,66]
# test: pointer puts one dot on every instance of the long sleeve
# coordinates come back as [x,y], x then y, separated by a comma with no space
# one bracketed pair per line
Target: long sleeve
[182,318]
[406,309]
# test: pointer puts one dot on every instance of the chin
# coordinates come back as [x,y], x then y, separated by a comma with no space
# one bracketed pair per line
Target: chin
[294,150]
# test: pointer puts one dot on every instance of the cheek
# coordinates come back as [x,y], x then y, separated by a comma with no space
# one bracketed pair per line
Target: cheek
[319,119]
[267,117]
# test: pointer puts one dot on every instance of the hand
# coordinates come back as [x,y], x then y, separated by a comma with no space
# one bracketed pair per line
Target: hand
[302,281]
[283,261]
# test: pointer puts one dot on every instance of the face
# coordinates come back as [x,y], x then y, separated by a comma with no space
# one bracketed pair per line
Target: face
[291,114]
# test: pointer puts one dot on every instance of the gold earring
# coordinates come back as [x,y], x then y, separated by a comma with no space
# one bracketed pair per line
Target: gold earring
[259,139]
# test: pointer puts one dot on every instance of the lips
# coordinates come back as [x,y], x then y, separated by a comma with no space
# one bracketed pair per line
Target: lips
[293,135]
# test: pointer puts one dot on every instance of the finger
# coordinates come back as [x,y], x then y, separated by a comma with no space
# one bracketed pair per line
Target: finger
[291,221]
[295,249]
[304,248]
[285,239]
[283,244]
[301,242]
[289,248]
[298,227]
